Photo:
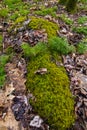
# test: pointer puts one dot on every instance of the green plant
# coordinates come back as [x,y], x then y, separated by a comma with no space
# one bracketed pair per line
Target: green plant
[14,16]
[40,23]
[82,48]
[9,51]
[11,2]
[1,39]
[3,60]
[20,19]
[4,12]
[2,80]
[60,45]
[47,11]
[23,12]
[82,20]
[84,1]
[53,100]
[66,19]
[33,51]
[81,30]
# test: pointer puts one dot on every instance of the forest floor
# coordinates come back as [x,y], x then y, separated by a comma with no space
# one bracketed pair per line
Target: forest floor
[15,111]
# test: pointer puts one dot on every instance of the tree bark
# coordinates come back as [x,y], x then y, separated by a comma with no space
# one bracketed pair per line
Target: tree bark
[63,2]
[71,5]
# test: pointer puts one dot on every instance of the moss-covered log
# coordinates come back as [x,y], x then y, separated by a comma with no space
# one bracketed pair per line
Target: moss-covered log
[53,99]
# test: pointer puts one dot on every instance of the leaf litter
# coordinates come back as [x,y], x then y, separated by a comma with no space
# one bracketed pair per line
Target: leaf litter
[76,66]
[15,110]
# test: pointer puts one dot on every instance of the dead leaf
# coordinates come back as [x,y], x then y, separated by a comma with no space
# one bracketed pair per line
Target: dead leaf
[41,71]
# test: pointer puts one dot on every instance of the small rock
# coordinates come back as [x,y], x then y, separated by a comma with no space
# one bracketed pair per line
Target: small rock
[36,122]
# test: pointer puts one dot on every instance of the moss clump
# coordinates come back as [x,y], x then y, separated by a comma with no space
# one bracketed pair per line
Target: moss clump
[4,12]
[20,19]
[17,24]
[3,60]
[40,23]
[53,99]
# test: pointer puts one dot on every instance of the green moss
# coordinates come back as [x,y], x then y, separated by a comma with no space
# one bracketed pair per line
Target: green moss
[17,24]
[47,11]
[3,60]
[1,38]
[53,99]
[23,12]
[40,23]
[9,51]
[20,19]
[4,12]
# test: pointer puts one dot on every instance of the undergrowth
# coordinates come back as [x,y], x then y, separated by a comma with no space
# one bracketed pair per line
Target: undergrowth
[47,11]
[82,20]
[81,30]
[1,39]
[33,51]
[82,46]
[66,19]
[60,45]
[3,60]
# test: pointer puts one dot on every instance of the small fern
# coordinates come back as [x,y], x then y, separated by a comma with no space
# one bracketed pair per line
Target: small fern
[82,48]
[60,45]
[33,51]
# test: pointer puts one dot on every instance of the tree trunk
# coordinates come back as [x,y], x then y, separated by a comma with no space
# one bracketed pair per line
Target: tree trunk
[63,2]
[71,5]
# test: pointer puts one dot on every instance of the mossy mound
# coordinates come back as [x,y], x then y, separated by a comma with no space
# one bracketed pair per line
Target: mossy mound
[53,99]
[40,23]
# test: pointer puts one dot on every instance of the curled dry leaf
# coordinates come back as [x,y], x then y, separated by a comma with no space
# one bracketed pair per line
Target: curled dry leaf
[36,122]
[41,71]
